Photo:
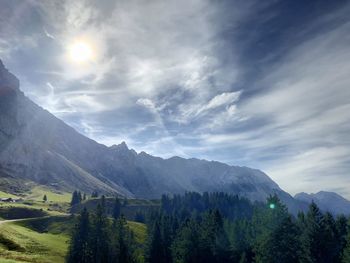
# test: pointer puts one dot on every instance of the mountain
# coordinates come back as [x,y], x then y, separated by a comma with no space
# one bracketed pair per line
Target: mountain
[326,201]
[38,148]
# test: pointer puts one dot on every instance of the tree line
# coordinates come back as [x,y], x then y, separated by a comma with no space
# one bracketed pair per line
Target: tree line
[213,227]
[99,239]
[218,227]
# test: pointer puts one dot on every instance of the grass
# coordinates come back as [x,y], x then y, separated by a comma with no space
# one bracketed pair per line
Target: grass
[37,193]
[7,195]
[140,231]
[31,245]
[46,239]
[58,202]
[50,208]
[3,260]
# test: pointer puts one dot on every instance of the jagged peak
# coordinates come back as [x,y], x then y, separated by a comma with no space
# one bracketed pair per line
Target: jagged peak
[121,146]
[8,81]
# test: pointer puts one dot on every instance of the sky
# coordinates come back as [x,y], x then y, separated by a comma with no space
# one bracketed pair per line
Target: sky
[263,84]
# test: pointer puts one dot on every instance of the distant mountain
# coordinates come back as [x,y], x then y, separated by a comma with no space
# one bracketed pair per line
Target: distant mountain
[327,201]
[38,148]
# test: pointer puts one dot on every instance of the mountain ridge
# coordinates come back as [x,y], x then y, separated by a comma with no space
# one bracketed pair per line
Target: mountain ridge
[326,201]
[36,146]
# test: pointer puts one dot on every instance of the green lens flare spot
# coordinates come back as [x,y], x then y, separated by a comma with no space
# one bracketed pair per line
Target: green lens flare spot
[272,206]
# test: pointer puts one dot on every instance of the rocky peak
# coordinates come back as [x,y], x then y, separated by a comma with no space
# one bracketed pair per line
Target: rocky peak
[123,149]
[120,147]
[8,82]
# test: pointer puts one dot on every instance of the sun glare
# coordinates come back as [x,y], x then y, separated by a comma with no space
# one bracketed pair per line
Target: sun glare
[80,52]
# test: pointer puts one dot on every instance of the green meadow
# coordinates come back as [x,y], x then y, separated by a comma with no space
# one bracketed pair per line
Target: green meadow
[46,239]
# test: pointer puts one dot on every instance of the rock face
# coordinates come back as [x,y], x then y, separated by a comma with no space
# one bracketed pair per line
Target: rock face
[327,201]
[37,147]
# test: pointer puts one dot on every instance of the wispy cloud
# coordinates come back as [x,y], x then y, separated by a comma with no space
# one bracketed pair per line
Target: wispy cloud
[237,81]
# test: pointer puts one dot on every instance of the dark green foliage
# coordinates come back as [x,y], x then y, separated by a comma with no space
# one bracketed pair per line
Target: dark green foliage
[240,237]
[329,242]
[123,242]
[76,198]
[80,250]
[266,221]
[155,245]
[311,238]
[341,226]
[222,228]
[45,199]
[186,247]
[116,208]
[204,241]
[100,235]
[96,239]
[230,206]
[346,252]
[282,245]
[213,228]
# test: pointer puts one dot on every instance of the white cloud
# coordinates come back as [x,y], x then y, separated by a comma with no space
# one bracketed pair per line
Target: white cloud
[221,99]
[302,119]
[295,114]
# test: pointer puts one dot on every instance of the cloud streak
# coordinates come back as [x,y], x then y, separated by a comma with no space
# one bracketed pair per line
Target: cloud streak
[236,81]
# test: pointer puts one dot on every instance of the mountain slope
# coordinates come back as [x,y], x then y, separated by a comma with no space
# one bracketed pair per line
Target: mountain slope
[37,147]
[327,201]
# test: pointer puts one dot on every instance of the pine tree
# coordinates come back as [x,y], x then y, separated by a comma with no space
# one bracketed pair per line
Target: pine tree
[80,250]
[154,245]
[214,243]
[166,235]
[239,233]
[341,227]
[75,198]
[185,247]
[282,244]
[45,199]
[116,208]
[311,238]
[265,222]
[346,253]
[329,242]
[123,242]
[80,198]
[100,236]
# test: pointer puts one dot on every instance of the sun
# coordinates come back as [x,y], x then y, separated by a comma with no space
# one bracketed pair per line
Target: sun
[80,51]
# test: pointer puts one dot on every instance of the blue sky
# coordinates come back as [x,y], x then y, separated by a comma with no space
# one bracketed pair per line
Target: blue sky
[263,84]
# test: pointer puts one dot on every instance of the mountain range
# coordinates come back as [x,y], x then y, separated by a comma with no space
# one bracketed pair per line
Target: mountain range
[326,201]
[38,148]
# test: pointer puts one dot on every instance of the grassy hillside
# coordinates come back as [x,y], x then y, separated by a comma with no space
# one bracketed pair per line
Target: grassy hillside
[46,239]
[37,193]
[7,195]
[57,202]
[21,241]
